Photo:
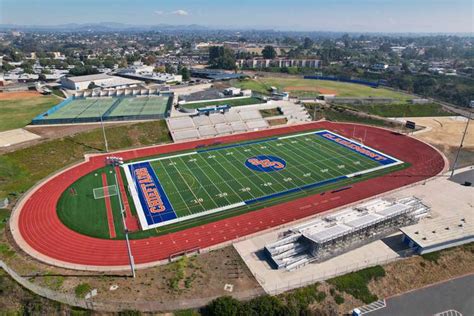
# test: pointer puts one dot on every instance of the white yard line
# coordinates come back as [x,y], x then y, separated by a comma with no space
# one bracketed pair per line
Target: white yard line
[235,179]
[177,190]
[210,181]
[200,184]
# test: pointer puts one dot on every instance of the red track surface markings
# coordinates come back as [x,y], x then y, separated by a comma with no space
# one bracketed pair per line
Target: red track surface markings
[131,221]
[108,206]
[37,213]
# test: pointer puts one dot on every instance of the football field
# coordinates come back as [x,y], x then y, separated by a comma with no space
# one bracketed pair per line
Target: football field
[182,186]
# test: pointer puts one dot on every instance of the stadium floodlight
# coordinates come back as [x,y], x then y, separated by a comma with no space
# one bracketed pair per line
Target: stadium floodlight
[471,106]
[114,161]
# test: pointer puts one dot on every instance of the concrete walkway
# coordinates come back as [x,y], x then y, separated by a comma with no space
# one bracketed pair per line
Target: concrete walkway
[443,196]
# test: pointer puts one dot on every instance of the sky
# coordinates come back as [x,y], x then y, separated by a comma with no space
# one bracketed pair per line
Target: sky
[446,16]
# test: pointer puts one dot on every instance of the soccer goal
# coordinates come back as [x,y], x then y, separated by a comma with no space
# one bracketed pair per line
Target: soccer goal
[102,192]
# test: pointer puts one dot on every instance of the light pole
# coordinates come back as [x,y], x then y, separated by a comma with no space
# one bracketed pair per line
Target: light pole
[115,161]
[103,132]
[471,106]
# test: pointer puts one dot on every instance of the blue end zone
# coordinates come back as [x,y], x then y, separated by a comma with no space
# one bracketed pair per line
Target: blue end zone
[156,206]
[360,149]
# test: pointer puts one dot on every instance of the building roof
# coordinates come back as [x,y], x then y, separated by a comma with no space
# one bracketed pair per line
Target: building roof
[432,232]
[89,78]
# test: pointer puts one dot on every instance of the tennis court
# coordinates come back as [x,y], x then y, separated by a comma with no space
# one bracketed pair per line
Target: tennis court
[82,110]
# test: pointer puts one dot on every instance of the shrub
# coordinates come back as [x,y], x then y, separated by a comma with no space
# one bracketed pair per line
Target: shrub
[82,289]
[223,306]
[432,256]
[356,283]
[266,305]
[129,313]
[339,299]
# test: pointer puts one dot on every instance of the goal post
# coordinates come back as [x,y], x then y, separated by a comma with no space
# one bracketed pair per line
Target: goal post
[102,192]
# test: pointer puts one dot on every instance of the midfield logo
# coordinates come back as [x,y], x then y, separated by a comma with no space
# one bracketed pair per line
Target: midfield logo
[265,163]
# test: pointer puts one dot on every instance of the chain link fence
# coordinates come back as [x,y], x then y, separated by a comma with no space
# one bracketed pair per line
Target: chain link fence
[306,280]
[114,306]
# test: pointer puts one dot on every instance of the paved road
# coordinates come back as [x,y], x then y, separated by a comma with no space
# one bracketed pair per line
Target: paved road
[455,294]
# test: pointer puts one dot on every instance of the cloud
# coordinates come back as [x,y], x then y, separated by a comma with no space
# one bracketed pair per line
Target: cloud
[180,12]
[176,12]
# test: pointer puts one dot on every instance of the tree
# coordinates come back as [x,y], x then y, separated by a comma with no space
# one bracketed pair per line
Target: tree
[221,57]
[185,73]
[307,43]
[91,85]
[7,67]
[160,69]
[149,60]
[83,70]
[269,52]
[223,306]
[169,68]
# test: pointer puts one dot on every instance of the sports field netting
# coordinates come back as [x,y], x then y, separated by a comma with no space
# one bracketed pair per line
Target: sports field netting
[102,192]
[170,189]
[106,108]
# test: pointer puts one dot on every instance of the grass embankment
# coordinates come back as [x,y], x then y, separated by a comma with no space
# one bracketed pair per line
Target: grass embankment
[299,87]
[231,102]
[343,114]
[402,110]
[18,113]
[21,169]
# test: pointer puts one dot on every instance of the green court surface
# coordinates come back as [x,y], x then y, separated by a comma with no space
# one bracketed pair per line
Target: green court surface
[140,106]
[82,109]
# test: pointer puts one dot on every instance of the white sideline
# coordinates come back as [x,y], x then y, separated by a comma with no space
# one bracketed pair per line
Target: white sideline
[162,158]
[134,193]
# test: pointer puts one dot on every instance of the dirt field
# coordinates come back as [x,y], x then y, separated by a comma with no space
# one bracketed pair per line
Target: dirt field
[19,95]
[445,133]
[445,130]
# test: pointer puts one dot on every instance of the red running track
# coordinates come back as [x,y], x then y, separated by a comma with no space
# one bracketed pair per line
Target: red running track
[41,233]
[108,206]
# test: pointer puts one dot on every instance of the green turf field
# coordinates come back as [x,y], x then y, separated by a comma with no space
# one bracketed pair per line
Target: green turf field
[211,181]
[235,102]
[300,87]
[199,183]
[91,209]
[18,113]
[403,110]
